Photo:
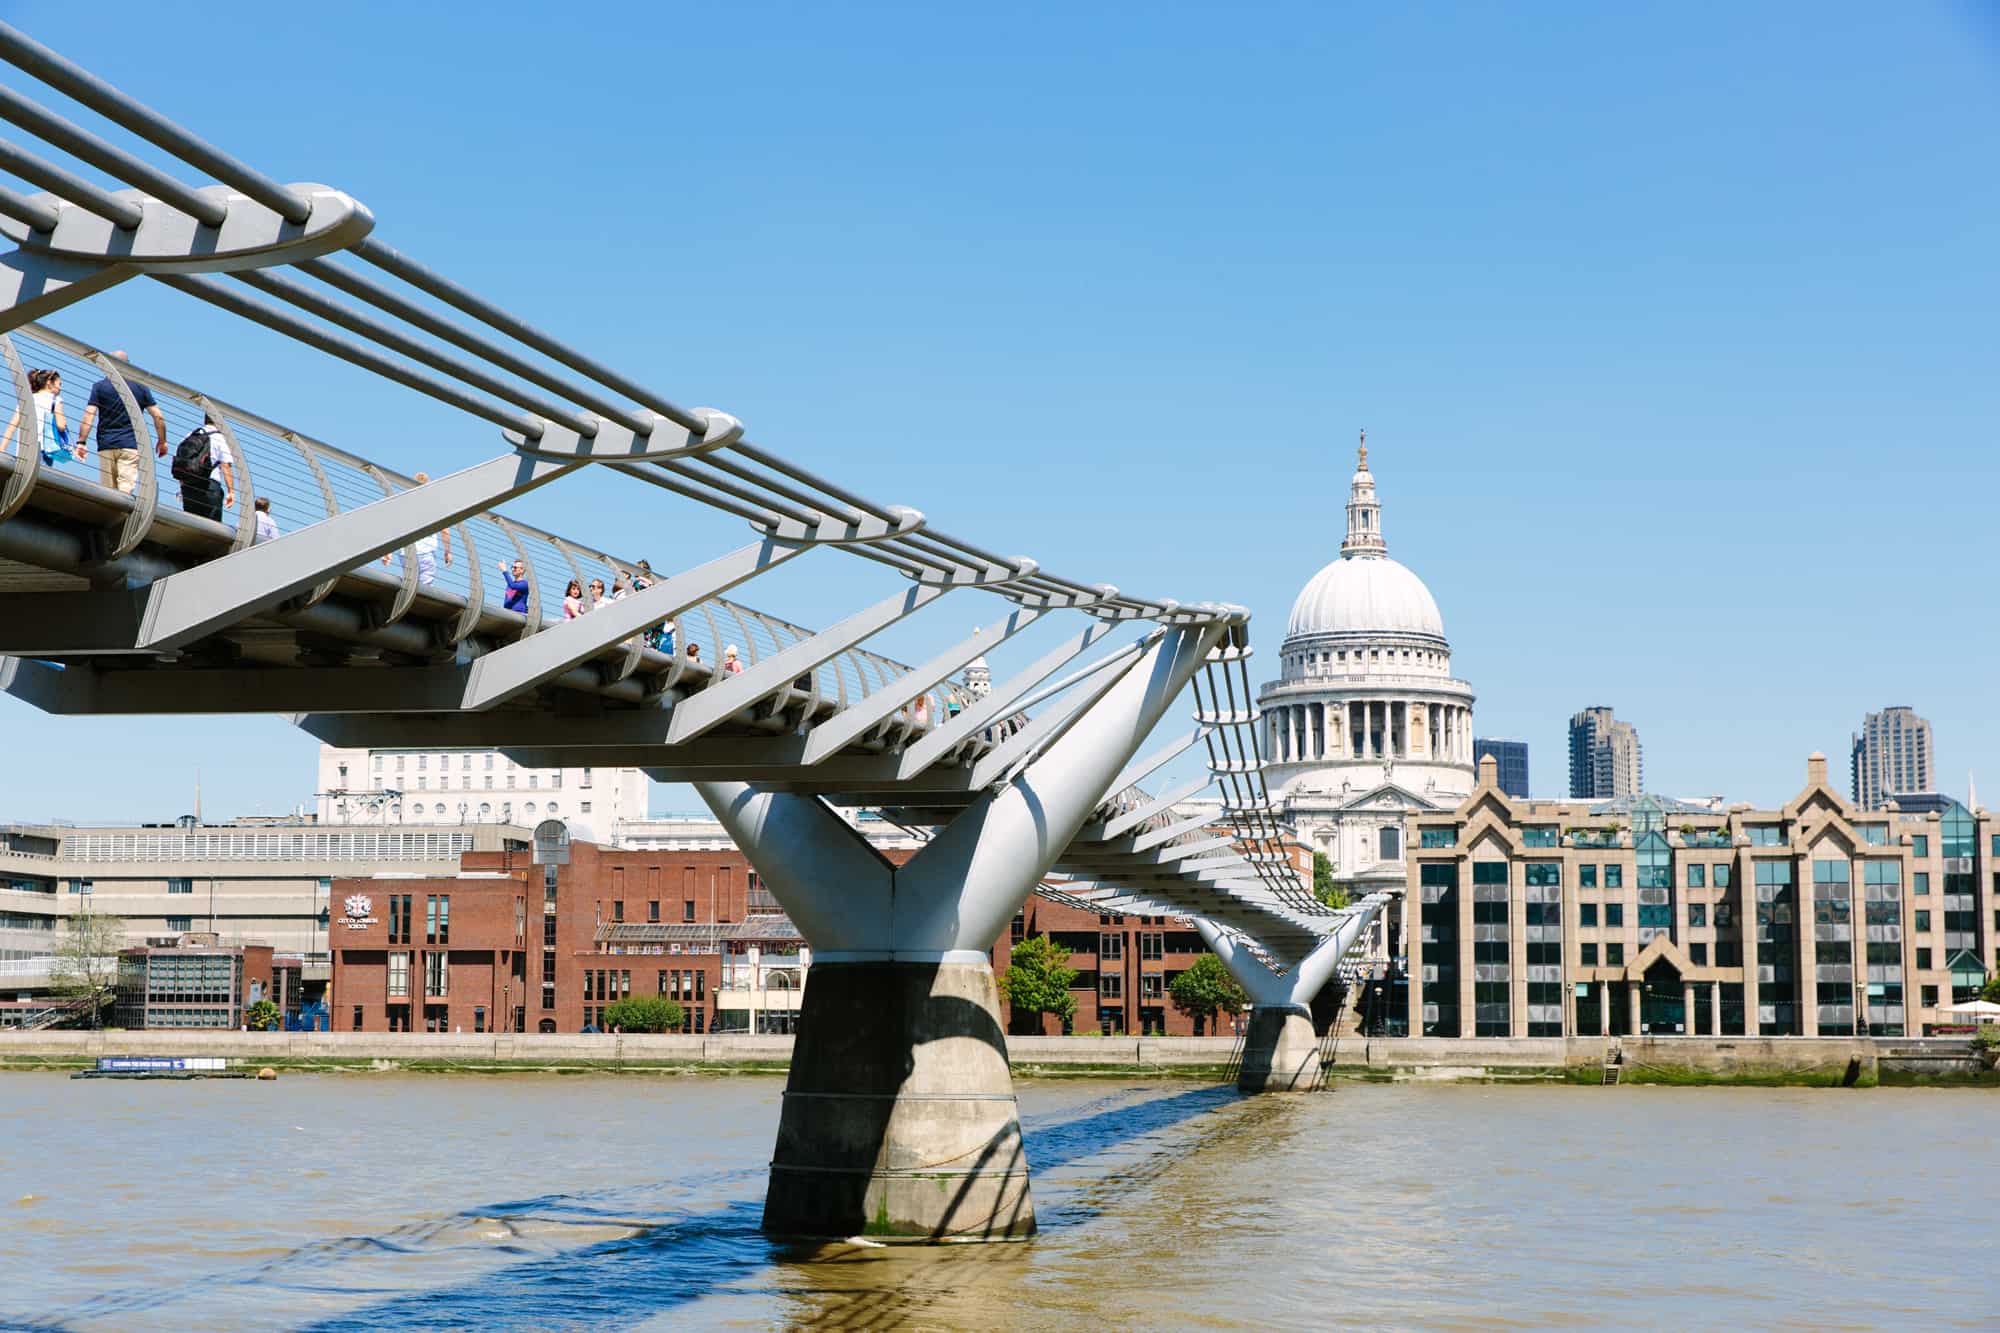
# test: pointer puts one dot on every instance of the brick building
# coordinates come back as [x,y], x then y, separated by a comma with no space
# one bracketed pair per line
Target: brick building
[509,946]
[1124,965]
[432,953]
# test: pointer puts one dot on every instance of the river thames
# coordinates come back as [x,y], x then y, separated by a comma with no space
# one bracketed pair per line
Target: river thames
[401,1201]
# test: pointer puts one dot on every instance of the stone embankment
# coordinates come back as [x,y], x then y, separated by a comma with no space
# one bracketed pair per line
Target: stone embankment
[1806,1061]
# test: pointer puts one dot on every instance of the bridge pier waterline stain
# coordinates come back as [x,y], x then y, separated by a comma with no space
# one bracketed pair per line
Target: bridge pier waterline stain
[899,1121]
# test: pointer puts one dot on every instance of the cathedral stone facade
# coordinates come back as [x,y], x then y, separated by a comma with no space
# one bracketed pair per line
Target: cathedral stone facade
[1366,725]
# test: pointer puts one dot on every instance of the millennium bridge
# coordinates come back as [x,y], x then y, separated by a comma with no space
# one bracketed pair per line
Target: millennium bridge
[126,588]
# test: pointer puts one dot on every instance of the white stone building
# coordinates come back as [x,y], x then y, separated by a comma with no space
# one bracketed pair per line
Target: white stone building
[411,786]
[1365,724]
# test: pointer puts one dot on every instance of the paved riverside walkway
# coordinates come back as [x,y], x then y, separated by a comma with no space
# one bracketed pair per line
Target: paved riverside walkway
[1671,1059]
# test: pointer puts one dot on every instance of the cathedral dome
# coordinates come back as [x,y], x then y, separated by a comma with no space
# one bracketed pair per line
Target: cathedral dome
[1365,595]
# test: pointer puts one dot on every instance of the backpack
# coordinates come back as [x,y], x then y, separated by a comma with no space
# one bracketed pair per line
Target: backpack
[192,462]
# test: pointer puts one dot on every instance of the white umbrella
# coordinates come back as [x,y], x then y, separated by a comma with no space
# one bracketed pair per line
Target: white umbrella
[1978,1008]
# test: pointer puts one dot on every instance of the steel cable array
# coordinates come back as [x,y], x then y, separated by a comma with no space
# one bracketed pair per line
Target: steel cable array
[551,400]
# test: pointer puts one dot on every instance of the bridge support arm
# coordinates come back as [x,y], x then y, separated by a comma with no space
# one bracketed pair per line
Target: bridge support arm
[1281,1050]
[899,1117]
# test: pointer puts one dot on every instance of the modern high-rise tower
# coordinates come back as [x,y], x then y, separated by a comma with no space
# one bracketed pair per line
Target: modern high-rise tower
[1892,754]
[1604,757]
[1512,758]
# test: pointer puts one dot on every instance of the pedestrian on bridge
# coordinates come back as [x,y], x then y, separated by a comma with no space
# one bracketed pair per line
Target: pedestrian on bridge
[267,527]
[598,601]
[428,545]
[49,429]
[517,585]
[203,453]
[572,600]
[730,662]
[118,442]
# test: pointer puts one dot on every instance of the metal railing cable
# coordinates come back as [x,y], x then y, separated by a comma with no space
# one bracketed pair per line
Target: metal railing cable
[289,469]
[800,485]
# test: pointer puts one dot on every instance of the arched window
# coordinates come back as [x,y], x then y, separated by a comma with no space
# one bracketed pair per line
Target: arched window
[1391,844]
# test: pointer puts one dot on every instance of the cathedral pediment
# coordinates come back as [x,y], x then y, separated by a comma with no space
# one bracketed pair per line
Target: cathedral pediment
[1388,797]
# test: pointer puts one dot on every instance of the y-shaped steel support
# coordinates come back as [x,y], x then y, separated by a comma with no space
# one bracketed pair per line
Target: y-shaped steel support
[1281,1052]
[899,1119]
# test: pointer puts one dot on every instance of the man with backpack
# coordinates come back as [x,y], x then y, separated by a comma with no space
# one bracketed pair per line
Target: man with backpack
[197,459]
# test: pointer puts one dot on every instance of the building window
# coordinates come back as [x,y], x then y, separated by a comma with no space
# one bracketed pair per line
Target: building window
[1698,953]
[1697,876]
[1767,835]
[1920,844]
[180,885]
[1614,955]
[1391,844]
[399,918]
[584,806]
[1614,914]
[1542,874]
[618,910]
[1111,985]
[1018,931]
[1586,877]
[1923,959]
[1539,835]
[399,974]
[1614,877]
[1920,883]
[1152,986]
[1586,914]
[1923,921]
[1697,914]
[357,1008]
[437,974]
[1721,877]
[1152,947]
[1587,954]
[1930,996]
[1110,947]
[653,910]
[437,918]
[180,923]
[1438,837]
[687,910]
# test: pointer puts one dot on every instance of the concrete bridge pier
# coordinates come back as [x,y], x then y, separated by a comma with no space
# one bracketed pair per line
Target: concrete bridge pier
[899,1120]
[1281,1050]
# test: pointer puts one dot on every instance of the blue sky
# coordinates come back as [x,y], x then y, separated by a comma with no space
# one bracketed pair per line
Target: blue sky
[1671,325]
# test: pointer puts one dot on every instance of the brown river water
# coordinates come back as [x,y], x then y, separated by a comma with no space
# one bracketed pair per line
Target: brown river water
[411,1201]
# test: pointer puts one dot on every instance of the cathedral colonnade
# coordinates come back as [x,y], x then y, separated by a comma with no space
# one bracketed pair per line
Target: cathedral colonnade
[1368,729]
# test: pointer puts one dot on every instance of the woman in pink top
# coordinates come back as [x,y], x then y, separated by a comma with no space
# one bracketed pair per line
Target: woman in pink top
[573,600]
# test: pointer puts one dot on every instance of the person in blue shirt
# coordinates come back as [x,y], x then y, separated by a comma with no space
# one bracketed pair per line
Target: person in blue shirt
[517,586]
[117,441]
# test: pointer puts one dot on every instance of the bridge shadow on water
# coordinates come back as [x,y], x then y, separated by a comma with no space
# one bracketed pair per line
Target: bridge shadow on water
[654,1257]
[658,1268]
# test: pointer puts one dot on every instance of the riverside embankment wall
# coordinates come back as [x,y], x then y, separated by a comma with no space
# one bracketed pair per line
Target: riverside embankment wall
[1830,1060]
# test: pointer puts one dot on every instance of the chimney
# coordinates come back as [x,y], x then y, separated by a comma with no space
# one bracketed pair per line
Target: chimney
[1489,771]
[1815,769]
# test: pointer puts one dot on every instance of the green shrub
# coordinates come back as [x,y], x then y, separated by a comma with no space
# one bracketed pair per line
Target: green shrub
[264,1016]
[643,1013]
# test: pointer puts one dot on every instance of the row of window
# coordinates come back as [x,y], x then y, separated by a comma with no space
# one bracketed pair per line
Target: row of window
[465,765]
